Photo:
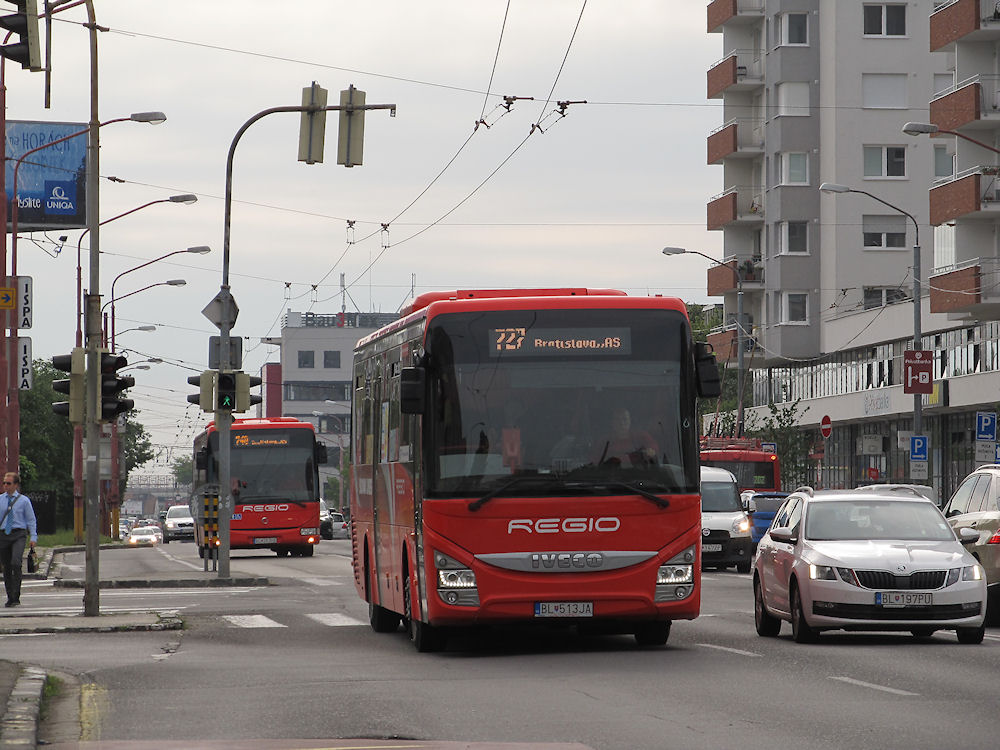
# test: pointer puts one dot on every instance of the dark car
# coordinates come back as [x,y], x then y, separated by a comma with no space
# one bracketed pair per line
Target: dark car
[325,521]
[762,506]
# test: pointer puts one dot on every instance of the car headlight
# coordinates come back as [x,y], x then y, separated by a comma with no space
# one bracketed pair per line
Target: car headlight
[968,573]
[741,527]
[822,572]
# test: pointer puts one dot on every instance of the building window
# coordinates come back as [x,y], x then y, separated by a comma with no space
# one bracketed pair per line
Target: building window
[316,390]
[793,28]
[875,296]
[794,237]
[944,162]
[793,99]
[884,19]
[794,307]
[885,161]
[884,231]
[331,360]
[794,169]
[307,359]
[883,90]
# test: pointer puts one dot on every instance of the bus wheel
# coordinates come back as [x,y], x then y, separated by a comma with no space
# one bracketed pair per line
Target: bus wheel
[201,552]
[425,638]
[306,551]
[652,633]
[380,618]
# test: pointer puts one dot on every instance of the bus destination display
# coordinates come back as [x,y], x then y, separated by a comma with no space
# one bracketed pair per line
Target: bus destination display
[267,440]
[523,342]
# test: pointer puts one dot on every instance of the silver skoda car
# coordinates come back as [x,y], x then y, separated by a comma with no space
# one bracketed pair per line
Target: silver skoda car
[866,560]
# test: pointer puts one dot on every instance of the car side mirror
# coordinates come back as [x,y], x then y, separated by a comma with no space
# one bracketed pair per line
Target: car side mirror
[783,534]
[967,535]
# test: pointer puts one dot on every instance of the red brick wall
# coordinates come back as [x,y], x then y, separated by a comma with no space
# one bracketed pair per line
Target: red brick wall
[724,344]
[720,11]
[955,290]
[722,143]
[721,279]
[957,108]
[954,22]
[954,199]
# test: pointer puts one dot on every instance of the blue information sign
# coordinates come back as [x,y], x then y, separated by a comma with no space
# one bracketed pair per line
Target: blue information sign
[918,447]
[986,425]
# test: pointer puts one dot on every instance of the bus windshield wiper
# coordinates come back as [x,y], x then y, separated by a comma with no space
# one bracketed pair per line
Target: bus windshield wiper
[516,481]
[637,488]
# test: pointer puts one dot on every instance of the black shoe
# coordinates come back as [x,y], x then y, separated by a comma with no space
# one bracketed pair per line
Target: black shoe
[11,604]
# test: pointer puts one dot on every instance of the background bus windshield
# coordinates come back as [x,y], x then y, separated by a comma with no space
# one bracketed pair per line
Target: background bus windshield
[270,464]
[576,398]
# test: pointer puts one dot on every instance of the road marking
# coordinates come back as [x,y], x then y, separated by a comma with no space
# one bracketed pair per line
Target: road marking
[252,621]
[334,619]
[883,688]
[739,651]
[321,581]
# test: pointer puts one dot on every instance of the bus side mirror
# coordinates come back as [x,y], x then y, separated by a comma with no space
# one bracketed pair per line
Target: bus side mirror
[709,384]
[321,454]
[201,460]
[413,390]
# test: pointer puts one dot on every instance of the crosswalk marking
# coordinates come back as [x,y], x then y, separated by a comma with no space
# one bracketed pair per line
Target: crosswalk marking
[252,621]
[334,619]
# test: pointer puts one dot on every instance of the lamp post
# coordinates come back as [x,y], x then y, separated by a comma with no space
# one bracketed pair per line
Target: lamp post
[739,328]
[832,187]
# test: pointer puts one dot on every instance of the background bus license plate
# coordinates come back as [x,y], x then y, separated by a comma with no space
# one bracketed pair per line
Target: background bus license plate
[265,540]
[902,599]
[711,548]
[564,609]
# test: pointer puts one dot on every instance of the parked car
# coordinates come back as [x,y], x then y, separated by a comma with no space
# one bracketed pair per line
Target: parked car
[976,505]
[866,560]
[340,528]
[725,527]
[762,506]
[178,524]
[926,490]
[150,535]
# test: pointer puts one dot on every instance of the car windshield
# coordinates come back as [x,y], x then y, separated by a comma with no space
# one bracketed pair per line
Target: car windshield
[145,531]
[859,520]
[179,511]
[720,497]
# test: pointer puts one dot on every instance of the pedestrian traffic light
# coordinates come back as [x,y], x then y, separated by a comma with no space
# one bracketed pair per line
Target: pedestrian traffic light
[244,399]
[205,398]
[225,393]
[24,23]
[73,386]
[112,385]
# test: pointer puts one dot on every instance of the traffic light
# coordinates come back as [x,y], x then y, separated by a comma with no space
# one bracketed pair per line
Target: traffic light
[225,393]
[244,399]
[112,385]
[73,386]
[24,23]
[205,398]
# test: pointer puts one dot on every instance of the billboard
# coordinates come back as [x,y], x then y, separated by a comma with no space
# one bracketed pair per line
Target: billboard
[51,182]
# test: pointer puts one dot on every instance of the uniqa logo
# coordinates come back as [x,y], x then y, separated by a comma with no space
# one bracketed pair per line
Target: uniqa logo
[605,524]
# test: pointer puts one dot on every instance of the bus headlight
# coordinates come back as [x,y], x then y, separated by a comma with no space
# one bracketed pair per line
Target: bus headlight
[675,578]
[456,582]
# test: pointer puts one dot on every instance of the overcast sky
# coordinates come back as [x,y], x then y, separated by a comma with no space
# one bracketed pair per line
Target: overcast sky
[586,199]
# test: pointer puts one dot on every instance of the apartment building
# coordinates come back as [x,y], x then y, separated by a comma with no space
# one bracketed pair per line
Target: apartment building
[818,91]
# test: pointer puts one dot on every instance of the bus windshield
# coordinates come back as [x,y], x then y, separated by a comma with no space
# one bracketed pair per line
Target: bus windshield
[269,463]
[584,399]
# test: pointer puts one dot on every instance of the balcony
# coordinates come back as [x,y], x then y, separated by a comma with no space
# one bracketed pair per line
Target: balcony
[741,70]
[723,340]
[965,21]
[968,290]
[734,12]
[737,138]
[737,205]
[971,194]
[722,278]
[974,104]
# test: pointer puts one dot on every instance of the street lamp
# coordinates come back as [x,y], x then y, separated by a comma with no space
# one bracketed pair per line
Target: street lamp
[832,187]
[739,328]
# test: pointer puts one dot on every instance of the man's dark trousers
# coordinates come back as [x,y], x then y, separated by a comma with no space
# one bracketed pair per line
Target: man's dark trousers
[11,557]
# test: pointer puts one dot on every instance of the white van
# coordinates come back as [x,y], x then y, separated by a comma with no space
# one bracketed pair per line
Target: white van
[725,526]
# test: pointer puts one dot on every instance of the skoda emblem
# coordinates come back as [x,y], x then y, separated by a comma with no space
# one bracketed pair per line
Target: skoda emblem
[901,568]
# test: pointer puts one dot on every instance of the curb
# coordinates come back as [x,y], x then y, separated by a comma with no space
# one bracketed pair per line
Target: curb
[161,583]
[19,726]
[164,621]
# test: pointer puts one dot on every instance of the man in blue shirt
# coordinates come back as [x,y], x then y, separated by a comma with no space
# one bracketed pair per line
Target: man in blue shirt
[17,525]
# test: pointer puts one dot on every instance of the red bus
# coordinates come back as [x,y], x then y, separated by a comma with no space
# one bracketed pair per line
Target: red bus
[486,485]
[753,467]
[274,473]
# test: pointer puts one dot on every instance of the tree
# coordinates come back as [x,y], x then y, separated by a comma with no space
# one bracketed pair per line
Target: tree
[183,469]
[703,319]
[135,446]
[782,427]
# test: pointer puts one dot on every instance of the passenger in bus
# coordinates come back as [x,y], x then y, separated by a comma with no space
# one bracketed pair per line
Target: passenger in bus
[625,446]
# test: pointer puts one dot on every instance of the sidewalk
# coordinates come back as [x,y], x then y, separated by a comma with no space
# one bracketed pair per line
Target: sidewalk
[21,685]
